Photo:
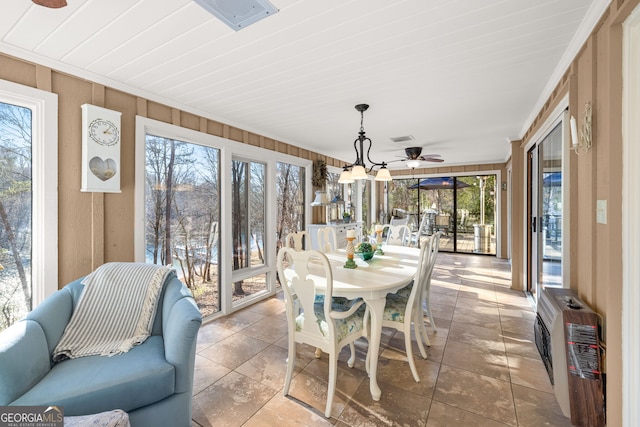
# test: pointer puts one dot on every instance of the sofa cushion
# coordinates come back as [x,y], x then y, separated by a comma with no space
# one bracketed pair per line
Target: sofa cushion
[94,384]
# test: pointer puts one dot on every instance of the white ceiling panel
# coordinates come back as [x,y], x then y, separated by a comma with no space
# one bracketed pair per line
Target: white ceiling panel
[117,33]
[461,76]
[81,26]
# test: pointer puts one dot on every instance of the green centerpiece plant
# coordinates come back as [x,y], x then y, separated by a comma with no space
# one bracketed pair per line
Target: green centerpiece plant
[364,250]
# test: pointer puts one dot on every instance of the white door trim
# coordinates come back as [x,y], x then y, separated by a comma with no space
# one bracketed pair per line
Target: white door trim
[630,226]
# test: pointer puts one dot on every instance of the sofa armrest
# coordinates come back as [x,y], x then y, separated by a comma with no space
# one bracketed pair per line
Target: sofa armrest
[24,359]
[181,320]
[54,312]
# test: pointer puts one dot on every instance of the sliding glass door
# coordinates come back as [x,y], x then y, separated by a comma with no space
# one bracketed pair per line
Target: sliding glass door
[462,208]
[544,195]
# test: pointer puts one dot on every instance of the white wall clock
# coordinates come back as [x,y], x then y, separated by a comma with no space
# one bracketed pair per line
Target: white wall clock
[100,149]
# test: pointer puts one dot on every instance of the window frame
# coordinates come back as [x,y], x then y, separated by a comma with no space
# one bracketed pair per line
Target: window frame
[229,150]
[44,179]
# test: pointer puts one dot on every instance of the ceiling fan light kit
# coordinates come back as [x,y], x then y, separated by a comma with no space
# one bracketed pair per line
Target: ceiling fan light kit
[412,164]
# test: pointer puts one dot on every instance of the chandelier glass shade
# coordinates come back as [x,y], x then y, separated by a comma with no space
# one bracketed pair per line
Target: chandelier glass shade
[345,176]
[358,169]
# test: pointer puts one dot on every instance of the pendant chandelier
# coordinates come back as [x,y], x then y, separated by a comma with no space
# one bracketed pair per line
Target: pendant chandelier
[358,169]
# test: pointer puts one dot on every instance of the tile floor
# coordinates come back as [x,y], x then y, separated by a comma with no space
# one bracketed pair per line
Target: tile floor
[483,368]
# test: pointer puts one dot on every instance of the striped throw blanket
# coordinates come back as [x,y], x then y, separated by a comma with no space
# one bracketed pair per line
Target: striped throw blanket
[115,311]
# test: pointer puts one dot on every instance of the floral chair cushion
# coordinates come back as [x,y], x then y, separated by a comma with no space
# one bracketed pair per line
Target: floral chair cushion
[406,291]
[344,327]
[395,307]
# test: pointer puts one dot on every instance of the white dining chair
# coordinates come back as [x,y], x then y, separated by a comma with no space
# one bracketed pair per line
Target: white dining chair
[400,312]
[422,230]
[399,235]
[425,295]
[399,221]
[324,325]
[298,240]
[327,240]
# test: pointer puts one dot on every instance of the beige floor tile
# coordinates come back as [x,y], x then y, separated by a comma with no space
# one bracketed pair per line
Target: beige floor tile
[268,307]
[479,360]
[529,372]
[269,367]
[442,328]
[482,395]
[393,369]
[443,298]
[231,401]
[477,336]
[211,333]
[535,408]
[269,329]
[487,316]
[521,326]
[477,294]
[396,407]
[443,415]
[348,379]
[206,372]
[283,411]
[466,302]
[311,391]
[518,346]
[442,311]
[239,320]
[234,350]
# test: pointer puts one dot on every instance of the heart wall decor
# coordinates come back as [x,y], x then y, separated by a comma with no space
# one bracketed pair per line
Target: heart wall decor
[101,134]
[103,169]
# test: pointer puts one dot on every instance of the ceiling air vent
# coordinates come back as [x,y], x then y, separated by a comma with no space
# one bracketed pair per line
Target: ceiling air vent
[238,14]
[402,138]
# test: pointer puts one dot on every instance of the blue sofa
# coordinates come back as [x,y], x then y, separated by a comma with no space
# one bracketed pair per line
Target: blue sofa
[153,382]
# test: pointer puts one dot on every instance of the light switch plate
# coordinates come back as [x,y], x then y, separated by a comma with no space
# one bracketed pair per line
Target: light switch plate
[601,211]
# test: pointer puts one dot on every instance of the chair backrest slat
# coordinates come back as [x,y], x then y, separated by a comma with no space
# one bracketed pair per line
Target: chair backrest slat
[327,240]
[298,240]
[398,235]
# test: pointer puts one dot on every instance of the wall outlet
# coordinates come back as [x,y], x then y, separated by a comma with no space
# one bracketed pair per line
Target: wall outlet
[601,211]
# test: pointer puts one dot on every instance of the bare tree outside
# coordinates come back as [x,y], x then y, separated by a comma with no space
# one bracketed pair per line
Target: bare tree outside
[248,223]
[182,214]
[15,213]
[290,200]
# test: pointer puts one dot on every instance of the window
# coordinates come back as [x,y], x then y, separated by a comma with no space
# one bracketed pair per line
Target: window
[290,186]
[214,209]
[248,224]
[182,214]
[28,199]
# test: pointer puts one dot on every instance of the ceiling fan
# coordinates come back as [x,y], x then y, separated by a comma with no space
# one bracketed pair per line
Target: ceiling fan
[414,155]
[54,4]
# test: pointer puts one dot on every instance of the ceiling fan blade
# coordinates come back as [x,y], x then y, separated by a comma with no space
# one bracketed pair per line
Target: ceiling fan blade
[432,159]
[54,4]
